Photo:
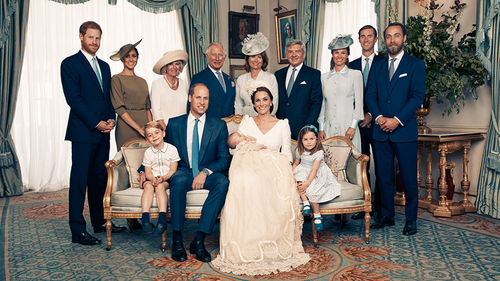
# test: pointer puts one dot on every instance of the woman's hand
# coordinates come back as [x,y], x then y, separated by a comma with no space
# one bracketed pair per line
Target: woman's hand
[321,135]
[141,131]
[350,133]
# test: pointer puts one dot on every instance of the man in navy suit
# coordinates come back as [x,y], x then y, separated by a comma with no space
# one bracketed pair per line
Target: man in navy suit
[299,87]
[396,88]
[201,140]
[86,82]
[367,37]
[221,86]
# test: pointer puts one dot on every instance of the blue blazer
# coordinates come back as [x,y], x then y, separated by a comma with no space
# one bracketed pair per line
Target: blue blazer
[400,97]
[304,104]
[89,104]
[214,152]
[356,64]
[220,104]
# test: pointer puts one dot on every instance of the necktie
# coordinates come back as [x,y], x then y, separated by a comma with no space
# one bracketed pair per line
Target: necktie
[195,155]
[391,68]
[221,81]
[96,70]
[290,82]
[366,71]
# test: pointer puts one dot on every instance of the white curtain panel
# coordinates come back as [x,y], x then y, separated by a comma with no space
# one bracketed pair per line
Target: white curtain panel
[42,113]
[346,17]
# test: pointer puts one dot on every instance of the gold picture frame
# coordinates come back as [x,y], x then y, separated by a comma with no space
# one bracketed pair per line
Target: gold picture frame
[285,31]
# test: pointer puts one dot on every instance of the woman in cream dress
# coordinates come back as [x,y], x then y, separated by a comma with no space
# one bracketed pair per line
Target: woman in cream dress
[169,94]
[256,61]
[261,222]
[342,107]
[129,96]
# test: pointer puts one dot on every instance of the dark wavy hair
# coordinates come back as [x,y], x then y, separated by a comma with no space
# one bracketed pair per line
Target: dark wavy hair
[300,146]
[262,89]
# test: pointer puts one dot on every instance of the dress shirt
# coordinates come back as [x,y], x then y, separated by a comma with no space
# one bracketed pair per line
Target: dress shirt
[189,138]
[289,73]
[215,73]
[370,61]
[89,57]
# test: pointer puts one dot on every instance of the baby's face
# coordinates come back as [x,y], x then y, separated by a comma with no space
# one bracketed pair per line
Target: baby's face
[235,139]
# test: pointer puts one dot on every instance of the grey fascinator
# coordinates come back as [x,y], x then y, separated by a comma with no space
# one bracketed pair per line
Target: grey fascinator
[340,42]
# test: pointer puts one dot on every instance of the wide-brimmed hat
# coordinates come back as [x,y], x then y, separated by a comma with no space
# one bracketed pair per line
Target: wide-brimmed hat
[124,50]
[255,44]
[341,42]
[169,57]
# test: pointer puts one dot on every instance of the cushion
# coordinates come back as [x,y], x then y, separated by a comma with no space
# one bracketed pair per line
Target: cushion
[133,158]
[336,158]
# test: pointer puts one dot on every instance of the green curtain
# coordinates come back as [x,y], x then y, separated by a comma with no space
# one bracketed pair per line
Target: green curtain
[13,23]
[311,18]
[383,10]
[151,6]
[201,27]
[488,46]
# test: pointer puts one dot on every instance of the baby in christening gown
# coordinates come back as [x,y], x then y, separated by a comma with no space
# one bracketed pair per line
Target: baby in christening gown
[261,222]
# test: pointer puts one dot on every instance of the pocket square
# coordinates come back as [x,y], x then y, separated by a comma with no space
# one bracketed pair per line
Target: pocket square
[303,83]
[403,75]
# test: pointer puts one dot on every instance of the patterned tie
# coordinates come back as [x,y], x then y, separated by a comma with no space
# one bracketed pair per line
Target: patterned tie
[290,82]
[366,71]
[96,70]
[221,81]
[195,150]
[391,68]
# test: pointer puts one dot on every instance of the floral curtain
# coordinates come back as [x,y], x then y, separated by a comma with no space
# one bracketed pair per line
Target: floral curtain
[13,22]
[488,50]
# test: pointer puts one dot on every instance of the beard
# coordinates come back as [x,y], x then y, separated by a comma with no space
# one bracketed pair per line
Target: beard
[394,50]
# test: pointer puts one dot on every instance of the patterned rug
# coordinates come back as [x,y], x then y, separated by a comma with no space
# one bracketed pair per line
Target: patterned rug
[36,245]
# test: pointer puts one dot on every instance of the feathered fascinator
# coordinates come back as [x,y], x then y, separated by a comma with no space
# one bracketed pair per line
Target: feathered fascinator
[341,42]
[255,44]
[252,85]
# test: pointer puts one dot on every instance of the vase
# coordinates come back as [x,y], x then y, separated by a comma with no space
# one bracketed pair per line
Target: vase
[422,112]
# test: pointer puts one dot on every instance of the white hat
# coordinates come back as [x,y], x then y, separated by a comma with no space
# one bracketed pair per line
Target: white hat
[169,57]
[255,44]
[252,85]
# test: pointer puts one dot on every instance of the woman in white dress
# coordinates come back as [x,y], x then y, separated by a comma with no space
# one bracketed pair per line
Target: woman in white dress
[256,61]
[169,94]
[342,107]
[261,222]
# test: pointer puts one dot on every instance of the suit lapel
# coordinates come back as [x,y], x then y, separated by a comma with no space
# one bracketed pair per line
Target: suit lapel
[89,69]
[211,77]
[385,72]
[298,79]
[183,136]
[401,68]
[205,138]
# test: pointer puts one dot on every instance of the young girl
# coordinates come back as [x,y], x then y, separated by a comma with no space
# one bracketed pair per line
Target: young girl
[315,180]
[160,163]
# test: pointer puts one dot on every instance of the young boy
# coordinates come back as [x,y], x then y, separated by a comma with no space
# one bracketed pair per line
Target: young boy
[160,163]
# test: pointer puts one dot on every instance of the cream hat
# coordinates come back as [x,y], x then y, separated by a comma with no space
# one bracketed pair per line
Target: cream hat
[252,85]
[255,44]
[169,57]
[124,50]
[341,42]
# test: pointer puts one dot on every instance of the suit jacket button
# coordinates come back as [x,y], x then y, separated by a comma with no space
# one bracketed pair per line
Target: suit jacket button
[389,102]
[287,103]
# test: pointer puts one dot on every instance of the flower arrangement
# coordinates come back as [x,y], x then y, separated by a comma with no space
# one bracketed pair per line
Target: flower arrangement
[453,70]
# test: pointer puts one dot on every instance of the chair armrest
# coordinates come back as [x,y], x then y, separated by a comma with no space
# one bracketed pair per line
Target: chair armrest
[117,177]
[356,172]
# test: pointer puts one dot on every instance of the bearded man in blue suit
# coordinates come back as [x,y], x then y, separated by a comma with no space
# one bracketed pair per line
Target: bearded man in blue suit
[396,89]
[367,37]
[299,87]
[221,86]
[201,140]
[86,82]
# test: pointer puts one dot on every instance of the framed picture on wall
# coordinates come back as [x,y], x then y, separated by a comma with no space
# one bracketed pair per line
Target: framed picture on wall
[236,70]
[240,24]
[285,31]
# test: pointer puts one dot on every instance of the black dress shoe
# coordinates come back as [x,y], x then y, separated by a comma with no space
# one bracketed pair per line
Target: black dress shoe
[85,239]
[178,251]
[410,228]
[358,216]
[382,222]
[114,228]
[198,248]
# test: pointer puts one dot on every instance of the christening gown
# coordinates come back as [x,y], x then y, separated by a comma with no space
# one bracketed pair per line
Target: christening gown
[261,222]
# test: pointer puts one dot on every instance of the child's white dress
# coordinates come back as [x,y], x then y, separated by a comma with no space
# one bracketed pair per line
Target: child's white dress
[324,186]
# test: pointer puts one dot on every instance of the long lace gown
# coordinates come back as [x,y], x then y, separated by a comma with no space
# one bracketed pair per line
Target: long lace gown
[261,222]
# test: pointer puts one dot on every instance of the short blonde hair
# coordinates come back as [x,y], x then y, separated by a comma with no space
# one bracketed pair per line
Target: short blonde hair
[152,124]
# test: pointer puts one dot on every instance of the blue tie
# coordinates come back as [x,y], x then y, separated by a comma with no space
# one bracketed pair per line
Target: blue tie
[96,70]
[366,71]
[221,81]
[195,150]
[290,82]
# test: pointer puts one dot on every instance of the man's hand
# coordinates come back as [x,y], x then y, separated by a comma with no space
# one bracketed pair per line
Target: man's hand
[142,179]
[321,135]
[350,133]
[389,125]
[111,122]
[104,127]
[199,181]
[367,122]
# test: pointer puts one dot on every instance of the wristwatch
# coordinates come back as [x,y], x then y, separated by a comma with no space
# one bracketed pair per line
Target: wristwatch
[206,172]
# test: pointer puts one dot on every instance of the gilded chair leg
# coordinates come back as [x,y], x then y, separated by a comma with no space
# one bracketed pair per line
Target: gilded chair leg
[367,227]
[108,234]
[164,241]
[315,234]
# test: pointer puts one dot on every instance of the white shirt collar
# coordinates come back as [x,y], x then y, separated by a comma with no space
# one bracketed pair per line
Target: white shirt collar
[215,71]
[290,68]
[191,118]
[399,56]
[163,150]
[88,56]
[370,56]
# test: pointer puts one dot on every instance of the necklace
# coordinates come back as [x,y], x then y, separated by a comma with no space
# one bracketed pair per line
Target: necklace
[170,84]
